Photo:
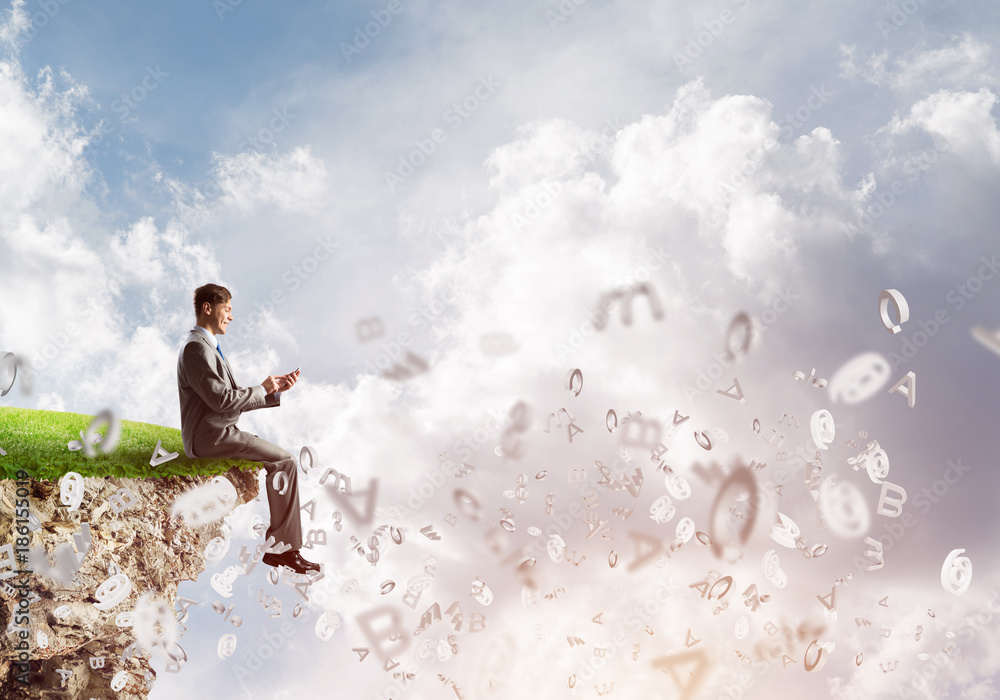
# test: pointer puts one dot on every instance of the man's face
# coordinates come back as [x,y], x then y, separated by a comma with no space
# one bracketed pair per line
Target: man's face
[219,317]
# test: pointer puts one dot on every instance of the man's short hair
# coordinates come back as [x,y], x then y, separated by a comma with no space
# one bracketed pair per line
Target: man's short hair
[212,293]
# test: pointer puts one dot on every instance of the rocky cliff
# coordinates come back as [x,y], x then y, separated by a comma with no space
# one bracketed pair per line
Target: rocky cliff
[155,550]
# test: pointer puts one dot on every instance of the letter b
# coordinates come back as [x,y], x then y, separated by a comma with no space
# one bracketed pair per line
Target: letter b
[714,26]
[895,529]
[882,196]
[930,327]
[392,349]
[404,169]
[425,145]
[361,39]
[562,520]
[274,639]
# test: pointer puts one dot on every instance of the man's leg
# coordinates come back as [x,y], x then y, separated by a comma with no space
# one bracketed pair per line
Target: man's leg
[286,523]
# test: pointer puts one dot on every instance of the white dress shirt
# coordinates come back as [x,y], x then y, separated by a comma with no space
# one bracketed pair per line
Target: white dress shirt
[211,336]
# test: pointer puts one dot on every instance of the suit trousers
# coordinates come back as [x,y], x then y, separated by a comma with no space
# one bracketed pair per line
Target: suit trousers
[286,524]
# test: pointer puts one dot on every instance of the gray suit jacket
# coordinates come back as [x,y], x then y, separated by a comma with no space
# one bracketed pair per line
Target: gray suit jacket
[212,401]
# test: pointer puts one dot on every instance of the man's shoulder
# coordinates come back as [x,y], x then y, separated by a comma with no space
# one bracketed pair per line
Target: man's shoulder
[193,346]
[195,338]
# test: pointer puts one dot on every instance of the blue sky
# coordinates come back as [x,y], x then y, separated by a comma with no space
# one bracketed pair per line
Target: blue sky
[494,168]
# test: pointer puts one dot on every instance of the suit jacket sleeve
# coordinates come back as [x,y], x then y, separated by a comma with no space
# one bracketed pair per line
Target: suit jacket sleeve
[270,401]
[215,391]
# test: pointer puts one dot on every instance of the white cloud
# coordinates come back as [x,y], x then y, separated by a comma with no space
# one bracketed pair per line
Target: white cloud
[964,64]
[135,253]
[603,203]
[962,119]
[293,182]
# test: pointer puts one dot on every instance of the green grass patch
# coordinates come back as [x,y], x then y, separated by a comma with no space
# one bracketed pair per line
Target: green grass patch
[38,442]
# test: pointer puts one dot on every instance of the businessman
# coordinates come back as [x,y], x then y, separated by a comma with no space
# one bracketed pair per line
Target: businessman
[211,404]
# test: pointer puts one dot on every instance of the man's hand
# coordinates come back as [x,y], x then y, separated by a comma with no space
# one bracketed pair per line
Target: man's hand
[280,382]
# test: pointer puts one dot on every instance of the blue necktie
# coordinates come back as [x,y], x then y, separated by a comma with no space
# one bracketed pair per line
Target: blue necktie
[220,351]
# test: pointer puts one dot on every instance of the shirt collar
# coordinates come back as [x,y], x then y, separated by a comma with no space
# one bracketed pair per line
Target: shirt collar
[211,336]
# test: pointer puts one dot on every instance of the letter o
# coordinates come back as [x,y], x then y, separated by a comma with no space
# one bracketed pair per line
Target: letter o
[764,319]
[142,93]
[413,153]
[375,33]
[917,342]
[978,282]
[798,113]
[270,651]
[708,39]
[307,261]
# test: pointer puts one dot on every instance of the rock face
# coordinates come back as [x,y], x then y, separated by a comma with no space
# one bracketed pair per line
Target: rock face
[154,549]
